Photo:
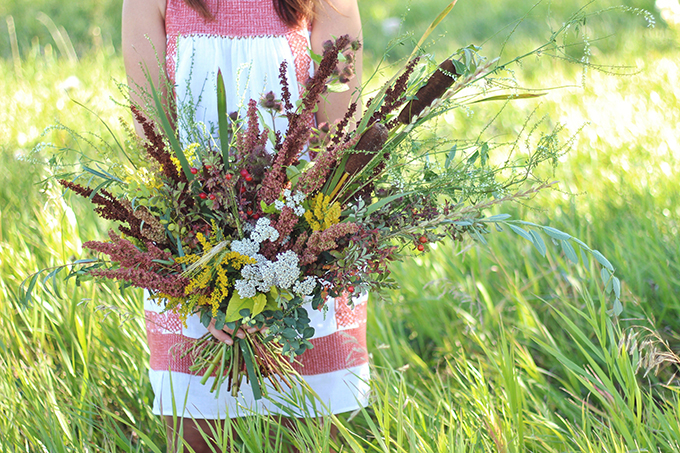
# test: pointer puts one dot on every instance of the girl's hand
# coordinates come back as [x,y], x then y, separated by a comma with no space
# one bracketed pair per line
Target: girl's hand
[226,335]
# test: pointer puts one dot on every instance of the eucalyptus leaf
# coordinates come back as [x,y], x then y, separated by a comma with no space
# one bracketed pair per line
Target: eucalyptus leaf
[569,251]
[538,242]
[602,260]
[495,218]
[556,234]
[521,231]
[616,284]
[451,156]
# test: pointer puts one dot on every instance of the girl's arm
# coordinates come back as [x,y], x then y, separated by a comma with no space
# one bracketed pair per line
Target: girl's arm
[335,18]
[143,35]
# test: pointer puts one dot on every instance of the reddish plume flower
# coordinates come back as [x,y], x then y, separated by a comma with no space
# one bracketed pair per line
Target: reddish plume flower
[155,147]
[139,268]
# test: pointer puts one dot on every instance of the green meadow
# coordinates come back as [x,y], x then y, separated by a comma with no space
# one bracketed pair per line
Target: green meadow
[485,347]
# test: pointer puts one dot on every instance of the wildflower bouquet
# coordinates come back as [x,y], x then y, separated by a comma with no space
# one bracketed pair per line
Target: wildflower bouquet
[247,226]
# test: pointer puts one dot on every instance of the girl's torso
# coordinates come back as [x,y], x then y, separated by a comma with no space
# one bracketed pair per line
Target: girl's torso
[246,40]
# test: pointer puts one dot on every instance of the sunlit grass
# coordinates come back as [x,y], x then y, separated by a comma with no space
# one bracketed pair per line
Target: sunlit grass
[485,348]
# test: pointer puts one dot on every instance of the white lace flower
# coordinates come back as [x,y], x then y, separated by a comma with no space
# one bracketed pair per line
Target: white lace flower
[246,247]
[305,287]
[264,230]
[298,197]
[286,269]
[245,288]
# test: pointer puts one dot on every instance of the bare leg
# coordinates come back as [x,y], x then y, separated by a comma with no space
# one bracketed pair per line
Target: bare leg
[289,423]
[194,434]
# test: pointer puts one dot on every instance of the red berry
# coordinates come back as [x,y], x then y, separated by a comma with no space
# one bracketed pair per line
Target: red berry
[350,289]
[243,190]
[212,196]
[203,195]
[421,247]
[423,239]
[194,170]
[208,167]
[228,176]
[244,172]
[249,212]
[256,216]
[248,178]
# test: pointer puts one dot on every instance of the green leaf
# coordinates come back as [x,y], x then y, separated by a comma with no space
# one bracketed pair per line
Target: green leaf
[451,156]
[437,20]
[495,218]
[616,283]
[236,304]
[223,119]
[271,304]
[477,235]
[569,251]
[460,67]
[606,277]
[260,301]
[268,209]
[584,257]
[602,260]
[555,233]
[27,295]
[337,87]
[383,201]
[538,242]
[316,58]
[618,307]
[254,378]
[521,231]
[292,173]
[509,97]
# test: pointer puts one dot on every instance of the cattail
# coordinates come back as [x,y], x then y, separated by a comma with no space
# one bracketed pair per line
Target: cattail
[435,87]
[370,143]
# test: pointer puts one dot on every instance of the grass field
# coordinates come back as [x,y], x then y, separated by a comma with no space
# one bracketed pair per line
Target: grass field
[484,348]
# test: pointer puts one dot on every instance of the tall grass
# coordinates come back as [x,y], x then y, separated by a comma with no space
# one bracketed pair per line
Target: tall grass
[484,348]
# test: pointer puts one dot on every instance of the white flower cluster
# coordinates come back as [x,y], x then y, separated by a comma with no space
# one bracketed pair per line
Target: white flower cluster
[263,231]
[282,273]
[263,275]
[305,287]
[258,234]
[246,247]
[293,201]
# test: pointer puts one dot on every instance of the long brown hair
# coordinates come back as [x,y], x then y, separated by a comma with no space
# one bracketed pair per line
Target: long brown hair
[291,12]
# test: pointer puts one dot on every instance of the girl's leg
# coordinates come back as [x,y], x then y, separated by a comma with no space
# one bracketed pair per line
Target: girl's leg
[194,434]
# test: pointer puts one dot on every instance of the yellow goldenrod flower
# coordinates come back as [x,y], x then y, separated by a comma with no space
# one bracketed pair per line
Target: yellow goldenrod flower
[322,214]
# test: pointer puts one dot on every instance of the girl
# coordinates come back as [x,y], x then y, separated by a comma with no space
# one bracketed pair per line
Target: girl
[247,40]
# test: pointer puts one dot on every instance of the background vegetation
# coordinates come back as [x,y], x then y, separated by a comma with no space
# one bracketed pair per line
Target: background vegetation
[485,348]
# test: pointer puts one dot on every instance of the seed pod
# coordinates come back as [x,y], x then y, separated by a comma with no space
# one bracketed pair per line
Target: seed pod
[435,88]
[370,142]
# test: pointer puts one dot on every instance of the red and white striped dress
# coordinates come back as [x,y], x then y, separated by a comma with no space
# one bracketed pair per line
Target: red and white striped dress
[247,41]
